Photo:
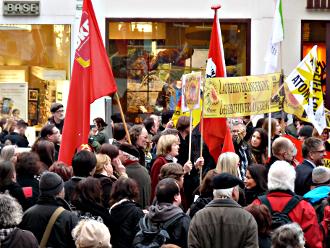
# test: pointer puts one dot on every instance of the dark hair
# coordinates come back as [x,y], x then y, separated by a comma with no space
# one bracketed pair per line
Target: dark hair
[27,163]
[263,138]
[149,123]
[135,132]
[262,216]
[310,144]
[259,174]
[46,151]
[62,169]
[272,124]
[206,188]
[171,170]
[100,122]
[183,123]
[7,171]
[83,163]
[260,123]
[46,130]
[166,190]
[124,188]
[110,150]
[87,190]
[119,132]
[166,116]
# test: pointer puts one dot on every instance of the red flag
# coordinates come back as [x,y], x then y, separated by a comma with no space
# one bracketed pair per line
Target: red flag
[91,79]
[214,129]
[228,145]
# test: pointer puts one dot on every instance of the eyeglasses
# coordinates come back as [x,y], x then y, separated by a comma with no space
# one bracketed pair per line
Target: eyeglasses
[59,111]
[321,151]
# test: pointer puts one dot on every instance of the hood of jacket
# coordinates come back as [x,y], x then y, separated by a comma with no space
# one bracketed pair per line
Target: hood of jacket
[317,194]
[163,212]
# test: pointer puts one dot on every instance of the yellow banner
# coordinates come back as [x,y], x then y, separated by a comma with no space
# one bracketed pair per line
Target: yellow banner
[178,112]
[241,96]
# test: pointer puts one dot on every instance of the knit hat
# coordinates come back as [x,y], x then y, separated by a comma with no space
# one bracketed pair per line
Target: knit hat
[281,176]
[50,184]
[55,106]
[91,233]
[321,175]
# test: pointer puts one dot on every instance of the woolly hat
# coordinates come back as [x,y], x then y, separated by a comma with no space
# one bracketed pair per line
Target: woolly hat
[281,176]
[55,106]
[321,175]
[50,184]
[91,233]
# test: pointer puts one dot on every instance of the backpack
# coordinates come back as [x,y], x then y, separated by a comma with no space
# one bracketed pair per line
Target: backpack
[151,235]
[281,218]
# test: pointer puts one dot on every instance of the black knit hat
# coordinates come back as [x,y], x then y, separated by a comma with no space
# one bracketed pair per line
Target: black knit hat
[50,184]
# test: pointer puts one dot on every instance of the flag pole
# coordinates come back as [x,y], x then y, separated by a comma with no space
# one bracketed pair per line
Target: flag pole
[190,134]
[123,119]
[202,132]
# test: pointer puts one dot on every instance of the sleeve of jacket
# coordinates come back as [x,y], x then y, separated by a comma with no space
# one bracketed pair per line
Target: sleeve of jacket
[311,228]
[251,240]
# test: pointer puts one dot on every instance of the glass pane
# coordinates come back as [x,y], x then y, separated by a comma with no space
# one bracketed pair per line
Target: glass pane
[151,57]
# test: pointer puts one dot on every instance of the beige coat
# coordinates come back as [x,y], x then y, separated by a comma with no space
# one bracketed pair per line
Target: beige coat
[223,223]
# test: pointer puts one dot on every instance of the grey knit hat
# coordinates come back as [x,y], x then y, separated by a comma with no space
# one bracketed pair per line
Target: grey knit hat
[50,184]
[321,175]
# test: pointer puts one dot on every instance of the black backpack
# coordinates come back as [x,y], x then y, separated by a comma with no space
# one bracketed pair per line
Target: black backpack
[151,235]
[281,218]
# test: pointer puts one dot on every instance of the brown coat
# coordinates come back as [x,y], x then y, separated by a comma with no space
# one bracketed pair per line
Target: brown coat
[223,223]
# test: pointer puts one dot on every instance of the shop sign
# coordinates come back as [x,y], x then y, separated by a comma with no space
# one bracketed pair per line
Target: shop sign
[21,8]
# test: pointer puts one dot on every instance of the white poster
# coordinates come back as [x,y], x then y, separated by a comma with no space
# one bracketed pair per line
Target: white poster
[13,96]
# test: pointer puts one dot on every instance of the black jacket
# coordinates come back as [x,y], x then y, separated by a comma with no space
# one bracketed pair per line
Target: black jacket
[20,239]
[70,186]
[16,191]
[303,178]
[17,139]
[36,218]
[124,218]
[106,183]
[29,181]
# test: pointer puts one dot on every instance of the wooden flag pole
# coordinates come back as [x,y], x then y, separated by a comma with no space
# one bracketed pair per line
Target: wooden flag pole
[123,119]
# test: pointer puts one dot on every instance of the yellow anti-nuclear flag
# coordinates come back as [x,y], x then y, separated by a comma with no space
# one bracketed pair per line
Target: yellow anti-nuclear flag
[178,112]
[303,92]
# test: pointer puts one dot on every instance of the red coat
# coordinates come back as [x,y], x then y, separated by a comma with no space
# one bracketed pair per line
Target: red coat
[155,170]
[304,214]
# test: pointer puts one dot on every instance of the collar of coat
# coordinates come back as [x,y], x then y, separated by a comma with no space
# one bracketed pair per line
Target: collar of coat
[223,203]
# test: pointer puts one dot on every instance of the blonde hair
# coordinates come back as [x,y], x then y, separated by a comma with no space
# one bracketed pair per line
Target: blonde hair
[101,161]
[171,170]
[164,144]
[227,162]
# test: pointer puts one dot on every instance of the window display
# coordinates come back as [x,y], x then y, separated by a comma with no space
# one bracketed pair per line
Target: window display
[149,58]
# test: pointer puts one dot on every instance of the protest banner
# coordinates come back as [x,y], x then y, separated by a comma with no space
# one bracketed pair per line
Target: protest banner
[241,96]
[191,84]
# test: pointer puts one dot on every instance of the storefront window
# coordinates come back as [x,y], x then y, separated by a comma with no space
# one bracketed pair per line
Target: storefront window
[34,69]
[149,57]
[314,33]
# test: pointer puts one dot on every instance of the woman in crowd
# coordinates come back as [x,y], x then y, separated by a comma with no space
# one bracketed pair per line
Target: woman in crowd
[258,145]
[113,152]
[167,150]
[62,169]
[8,153]
[275,128]
[124,212]
[28,173]
[205,193]
[264,220]
[87,199]
[98,133]
[255,182]
[104,172]
[8,183]
[46,151]
[289,235]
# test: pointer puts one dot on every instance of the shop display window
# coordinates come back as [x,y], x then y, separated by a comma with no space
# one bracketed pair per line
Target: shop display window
[34,69]
[149,57]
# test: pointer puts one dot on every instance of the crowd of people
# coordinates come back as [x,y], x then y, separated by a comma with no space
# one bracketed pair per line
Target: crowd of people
[150,193]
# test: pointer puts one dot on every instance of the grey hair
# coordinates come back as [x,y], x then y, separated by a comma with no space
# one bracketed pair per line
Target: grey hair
[289,236]
[8,152]
[219,193]
[11,211]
